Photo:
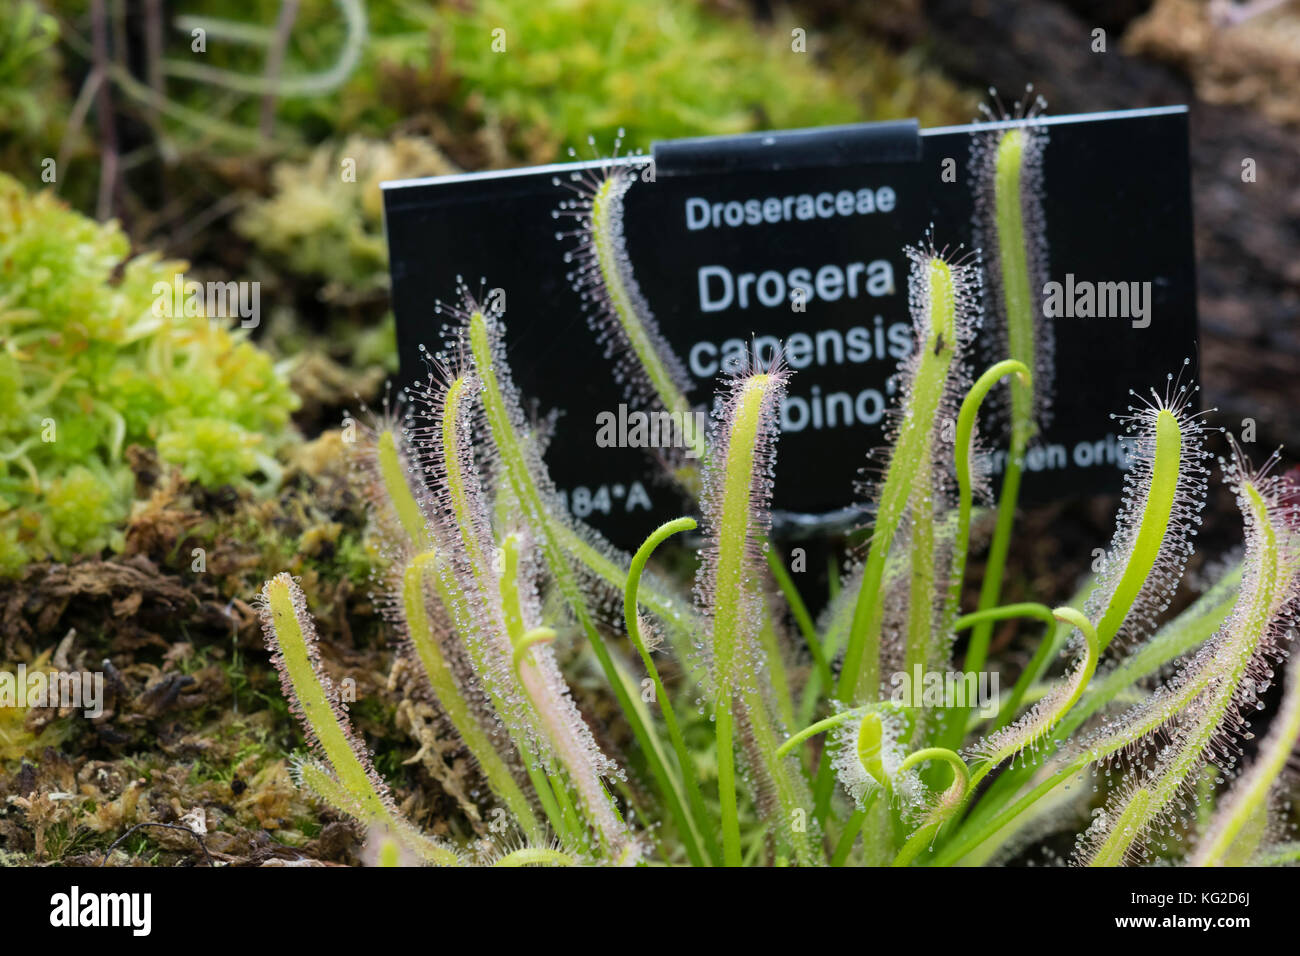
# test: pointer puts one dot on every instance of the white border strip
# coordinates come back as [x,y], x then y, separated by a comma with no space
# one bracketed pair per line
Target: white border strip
[625,160]
[1058,120]
[516,171]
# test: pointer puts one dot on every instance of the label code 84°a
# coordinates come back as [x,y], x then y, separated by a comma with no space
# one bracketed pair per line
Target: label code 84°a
[582,500]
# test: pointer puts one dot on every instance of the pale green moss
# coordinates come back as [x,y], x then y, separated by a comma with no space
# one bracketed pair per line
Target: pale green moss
[87,368]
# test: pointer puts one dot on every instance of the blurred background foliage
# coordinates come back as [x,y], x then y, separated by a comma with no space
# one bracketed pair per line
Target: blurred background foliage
[246,140]
[218,132]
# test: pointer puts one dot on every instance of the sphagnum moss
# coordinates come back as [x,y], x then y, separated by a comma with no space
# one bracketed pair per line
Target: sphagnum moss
[94,359]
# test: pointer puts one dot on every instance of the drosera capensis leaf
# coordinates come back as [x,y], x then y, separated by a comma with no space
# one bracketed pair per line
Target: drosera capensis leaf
[1036,725]
[1164,493]
[1041,719]
[536,856]
[871,737]
[944,298]
[1177,637]
[779,782]
[490,622]
[399,476]
[1184,634]
[943,294]
[519,465]
[388,830]
[870,756]
[1235,831]
[1205,706]
[351,782]
[942,809]
[419,622]
[1180,636]
[510,638]
[569,735]
[737,491]
[393,473]
[384,465]
[699,835]
[1115,846]
[649,370]
[1155,519]
[1010,232]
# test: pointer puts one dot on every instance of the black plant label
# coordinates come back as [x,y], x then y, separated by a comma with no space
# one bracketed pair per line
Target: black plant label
[792,244]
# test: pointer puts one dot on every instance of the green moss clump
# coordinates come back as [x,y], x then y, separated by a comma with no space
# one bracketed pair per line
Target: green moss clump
[574,68]
[569,69]
[88,368]
[553,74]
[500,81]
[29,79]
[325,218]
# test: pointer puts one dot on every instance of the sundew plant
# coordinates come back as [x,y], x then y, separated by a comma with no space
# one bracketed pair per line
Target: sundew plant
[740,740]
